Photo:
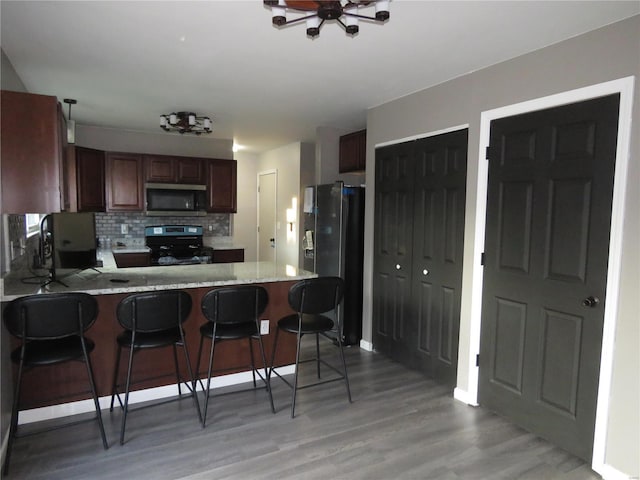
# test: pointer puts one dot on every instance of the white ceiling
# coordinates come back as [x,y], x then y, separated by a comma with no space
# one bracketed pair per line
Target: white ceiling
[128,62]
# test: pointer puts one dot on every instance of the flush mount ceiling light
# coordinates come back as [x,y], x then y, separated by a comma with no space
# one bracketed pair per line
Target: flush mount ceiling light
[316,12]
[185,122]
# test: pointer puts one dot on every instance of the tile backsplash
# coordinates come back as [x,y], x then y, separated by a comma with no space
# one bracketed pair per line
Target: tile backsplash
[110,224]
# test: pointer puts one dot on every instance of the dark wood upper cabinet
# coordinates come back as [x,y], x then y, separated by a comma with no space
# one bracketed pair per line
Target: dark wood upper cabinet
[90,179]
[32,153]
[189,170]
[124,182]
[159,168]
[168,169]
[222,186]
[353,152]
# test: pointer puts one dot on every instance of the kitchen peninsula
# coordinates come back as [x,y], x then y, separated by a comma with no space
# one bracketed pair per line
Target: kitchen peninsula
[61,384]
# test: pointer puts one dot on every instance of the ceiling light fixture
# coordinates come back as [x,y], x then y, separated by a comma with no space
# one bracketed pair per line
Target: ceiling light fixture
[71,124]
[185,122]
[316,12]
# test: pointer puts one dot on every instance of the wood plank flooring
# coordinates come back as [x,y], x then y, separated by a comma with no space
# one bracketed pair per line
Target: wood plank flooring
[399,426]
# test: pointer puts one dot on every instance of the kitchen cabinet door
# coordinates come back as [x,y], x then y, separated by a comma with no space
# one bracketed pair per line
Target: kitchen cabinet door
[228,256]
[31,153]
[353,150]
[189,170]
[169,169]
[222,186]
[160,168]
[125,188]
[90,179]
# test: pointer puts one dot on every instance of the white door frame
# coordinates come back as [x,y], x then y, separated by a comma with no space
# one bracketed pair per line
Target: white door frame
[275,210]
[624,87]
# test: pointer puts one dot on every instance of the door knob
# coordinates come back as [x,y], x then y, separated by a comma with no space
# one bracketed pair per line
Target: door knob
[425,272]
[398,267]
[590,302]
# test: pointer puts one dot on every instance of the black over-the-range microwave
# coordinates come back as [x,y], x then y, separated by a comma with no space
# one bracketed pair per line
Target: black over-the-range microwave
[163,199]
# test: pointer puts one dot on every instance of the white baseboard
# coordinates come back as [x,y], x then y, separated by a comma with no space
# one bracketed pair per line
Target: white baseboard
[138,396]
[607,472]
[368,346]
[464,397]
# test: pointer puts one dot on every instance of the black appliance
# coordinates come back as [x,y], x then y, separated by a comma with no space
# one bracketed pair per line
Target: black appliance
[67,241]
[333,245]
[177,245]
[175,199]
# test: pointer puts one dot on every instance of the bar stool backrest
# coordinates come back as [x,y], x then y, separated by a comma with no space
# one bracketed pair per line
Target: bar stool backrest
[50,316]
[154,311]
[316,295]
[234,305]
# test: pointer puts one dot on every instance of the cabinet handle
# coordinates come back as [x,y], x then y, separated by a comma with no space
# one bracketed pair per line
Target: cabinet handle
[398,267]
[425,272]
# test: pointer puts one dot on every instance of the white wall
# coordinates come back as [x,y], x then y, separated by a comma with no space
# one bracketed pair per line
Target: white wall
[161,143]
[244,223]
[606,54]
[286,161]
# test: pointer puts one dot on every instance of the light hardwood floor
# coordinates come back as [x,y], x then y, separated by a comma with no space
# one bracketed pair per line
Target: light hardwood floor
[399,426]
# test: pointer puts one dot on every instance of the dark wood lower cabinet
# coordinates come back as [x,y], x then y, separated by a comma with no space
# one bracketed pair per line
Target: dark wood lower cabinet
[68,382]
[228,256]
[124,260]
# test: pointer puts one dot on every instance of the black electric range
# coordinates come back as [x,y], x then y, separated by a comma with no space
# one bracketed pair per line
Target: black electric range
[177,245]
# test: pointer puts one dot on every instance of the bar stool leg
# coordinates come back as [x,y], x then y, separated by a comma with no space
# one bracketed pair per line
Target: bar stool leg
[13,428]
[253,363]
[344,366]
[126,395]
[87,361]
[266,377]
[295,376]
[318,354]
[190,372]
[273,354]
[175,362]
[114,385]
[197,378]
[207,391]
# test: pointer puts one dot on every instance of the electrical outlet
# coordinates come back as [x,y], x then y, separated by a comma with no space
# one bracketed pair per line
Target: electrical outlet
[124,229]
[264,327]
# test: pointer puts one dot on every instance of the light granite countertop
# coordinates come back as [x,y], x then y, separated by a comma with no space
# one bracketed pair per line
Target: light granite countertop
[143,279]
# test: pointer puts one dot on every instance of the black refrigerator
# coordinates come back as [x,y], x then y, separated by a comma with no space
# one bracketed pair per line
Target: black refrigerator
[333,245]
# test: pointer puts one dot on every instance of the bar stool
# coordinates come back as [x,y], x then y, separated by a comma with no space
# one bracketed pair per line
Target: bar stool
[233,314]
[312,299]
[152,320]
[51,327]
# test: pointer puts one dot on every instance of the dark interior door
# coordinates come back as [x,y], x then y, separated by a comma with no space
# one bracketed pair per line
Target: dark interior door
[546,249]
[393,244]
[438,235]
[419,233]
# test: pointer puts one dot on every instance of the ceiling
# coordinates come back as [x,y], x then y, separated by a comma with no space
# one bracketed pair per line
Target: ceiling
[128,62]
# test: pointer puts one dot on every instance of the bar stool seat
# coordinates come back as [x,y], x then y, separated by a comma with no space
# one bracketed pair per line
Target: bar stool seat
[308,324]
[50,352]
[229,331]
[149,339]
